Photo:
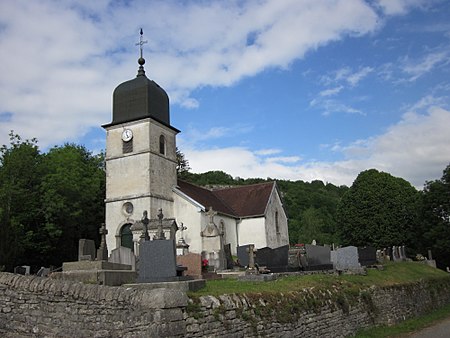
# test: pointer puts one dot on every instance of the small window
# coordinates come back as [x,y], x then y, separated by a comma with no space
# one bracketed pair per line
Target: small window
[127,147]
[277,225]
[162,145]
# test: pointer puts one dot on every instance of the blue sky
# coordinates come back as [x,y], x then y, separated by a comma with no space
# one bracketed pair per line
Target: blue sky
[286,89]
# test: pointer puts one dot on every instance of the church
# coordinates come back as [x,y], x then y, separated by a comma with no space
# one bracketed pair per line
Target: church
[141,177]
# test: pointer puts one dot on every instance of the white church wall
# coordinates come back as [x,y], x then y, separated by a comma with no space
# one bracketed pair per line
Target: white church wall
[189,214]
[276,222]
[252,231]
[230,231]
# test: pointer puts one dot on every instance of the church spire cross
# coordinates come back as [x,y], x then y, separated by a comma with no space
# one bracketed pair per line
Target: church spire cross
[141,42]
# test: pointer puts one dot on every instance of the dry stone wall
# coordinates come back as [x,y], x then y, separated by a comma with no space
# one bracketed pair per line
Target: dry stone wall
[43,307]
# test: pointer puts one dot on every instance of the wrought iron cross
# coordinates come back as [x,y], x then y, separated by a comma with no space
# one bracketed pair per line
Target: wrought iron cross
[141,41]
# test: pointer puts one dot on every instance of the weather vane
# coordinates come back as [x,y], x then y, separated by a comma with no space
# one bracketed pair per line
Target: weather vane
[141,42]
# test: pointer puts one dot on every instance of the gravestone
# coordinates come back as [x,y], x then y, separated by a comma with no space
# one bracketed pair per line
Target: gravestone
[346,258]
[157,258]
[157,261]
[367,256]
[182,246]
[86,250]
[43,272]
[251,251]
[396,254]
[297,258]
[123,255]
[318,257]
[228,256]
[22,270]
[193,263]
[276,260]
[389,256]
[403,253]
[242,254]
[102,252]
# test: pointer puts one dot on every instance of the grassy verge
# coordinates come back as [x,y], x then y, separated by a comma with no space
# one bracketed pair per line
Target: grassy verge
[407,326]
[394,273]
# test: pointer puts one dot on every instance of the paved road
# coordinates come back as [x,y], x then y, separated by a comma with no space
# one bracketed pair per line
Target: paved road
[439,330]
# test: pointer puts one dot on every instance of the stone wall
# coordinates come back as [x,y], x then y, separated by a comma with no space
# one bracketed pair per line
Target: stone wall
[38,307]
[44,307]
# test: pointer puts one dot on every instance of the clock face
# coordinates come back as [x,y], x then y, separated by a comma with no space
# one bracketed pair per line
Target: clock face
[127,135]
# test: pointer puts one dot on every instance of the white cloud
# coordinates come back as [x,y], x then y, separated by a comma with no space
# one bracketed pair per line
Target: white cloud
[266,152]
[354,78]
[331,91]
[284,159]
[347,75]
[396,7]
[331,106]
[417,148]
[61,60]
[417,69]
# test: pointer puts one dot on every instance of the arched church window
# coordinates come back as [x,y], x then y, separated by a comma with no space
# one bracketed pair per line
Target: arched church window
[162,145]
[126,237]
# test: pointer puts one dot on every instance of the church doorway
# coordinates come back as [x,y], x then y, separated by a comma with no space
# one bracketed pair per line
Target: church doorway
[126,237]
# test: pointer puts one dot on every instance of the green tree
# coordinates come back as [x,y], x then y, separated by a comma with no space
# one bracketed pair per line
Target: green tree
[20,213]
[72,190]
[316,224]
[182,164]
[436,218]
[378,210]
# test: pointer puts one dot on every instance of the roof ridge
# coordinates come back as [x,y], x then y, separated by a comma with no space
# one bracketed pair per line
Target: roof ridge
[244,185]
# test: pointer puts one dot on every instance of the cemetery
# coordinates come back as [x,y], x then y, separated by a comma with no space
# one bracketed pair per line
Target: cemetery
[166,244]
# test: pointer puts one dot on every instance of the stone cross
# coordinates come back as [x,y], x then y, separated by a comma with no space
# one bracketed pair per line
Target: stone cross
[102,252]
[251,257]
[182,228]
[211,213]
[145,222]
[160,232]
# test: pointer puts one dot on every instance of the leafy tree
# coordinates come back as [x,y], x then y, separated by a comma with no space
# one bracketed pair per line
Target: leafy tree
[72,190]
[20,213]
[378,210]
[436,218]
[47,202]
[182,163]
[316,224]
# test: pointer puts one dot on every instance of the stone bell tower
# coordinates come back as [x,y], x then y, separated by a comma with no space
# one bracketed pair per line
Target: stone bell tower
[140,156]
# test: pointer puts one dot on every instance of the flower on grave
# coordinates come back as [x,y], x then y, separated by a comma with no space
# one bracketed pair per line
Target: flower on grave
[205,263]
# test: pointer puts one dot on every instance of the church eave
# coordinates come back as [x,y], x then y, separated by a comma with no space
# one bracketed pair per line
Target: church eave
[106,126]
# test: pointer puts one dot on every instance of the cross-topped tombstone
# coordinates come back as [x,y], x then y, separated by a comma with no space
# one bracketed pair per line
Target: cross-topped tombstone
[160,232]
[145,222]
[102,252]
[182,228]
[251,259]
[182,246]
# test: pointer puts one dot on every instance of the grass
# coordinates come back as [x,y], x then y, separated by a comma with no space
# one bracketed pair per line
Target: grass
[393,273]
[407,326]
[285,294]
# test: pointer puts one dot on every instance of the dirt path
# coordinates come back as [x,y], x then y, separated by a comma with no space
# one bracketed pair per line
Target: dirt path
[438,330]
